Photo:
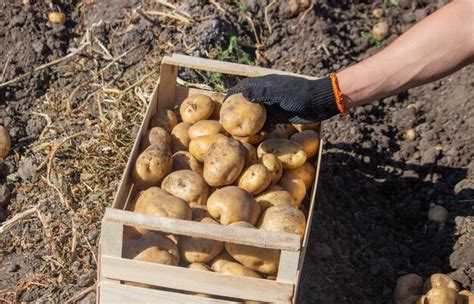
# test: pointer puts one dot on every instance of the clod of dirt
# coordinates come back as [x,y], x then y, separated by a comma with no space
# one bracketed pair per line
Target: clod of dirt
[4,195]
[437,214]
[27,169]
[57,17]
[380,30]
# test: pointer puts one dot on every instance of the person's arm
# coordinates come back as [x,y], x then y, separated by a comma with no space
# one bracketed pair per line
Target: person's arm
[437,46]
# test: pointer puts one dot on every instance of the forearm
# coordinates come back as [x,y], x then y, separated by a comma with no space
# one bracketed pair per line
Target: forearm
[433,48]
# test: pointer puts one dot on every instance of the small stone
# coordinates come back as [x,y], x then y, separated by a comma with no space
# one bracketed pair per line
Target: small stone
[410,134]
[4,195]
[39,47]
[27,169]
[437,214]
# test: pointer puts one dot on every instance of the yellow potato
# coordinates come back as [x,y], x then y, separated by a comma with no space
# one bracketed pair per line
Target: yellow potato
[254,179]
[223,162]
[282,131]
[241,117]
[238,270]
[274,196]
[294,186]
[255,138]
[407,285]
[205,127]
[183,160]
[283,218]
[155,136]
[273,165]
[152,166]
[165,119]
[233,204]
[220,260]
[440,280]
[200,250]
[199,146]
[440,295]
[152,247]
[466,297]
[5,142]
[309,140]
[312,126]
[290,153]
[199,266]
[187,185]
[306,173]
[258,259]
[196,107]
[179,137]
[250,155]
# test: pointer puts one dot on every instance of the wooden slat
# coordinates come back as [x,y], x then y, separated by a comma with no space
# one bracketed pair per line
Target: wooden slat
[113,293]
[183,92]
[223,67]
[238,235]
[167,86]
[196,280]
[288,267]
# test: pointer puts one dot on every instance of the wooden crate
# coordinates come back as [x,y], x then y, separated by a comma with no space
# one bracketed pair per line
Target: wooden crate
[177,284]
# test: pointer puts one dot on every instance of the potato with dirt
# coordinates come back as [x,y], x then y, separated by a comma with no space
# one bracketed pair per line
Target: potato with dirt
[282,131]
[199,146]
[179,137]
[196,107]
[263,260]
[274,196]
[233,204]
[152,247]
[254,179]
[241,117]
[5,142]
[290,153]
[155,136]
[152,166]
[200,250]
[283,218]
[205,127]
[440,295]
[295,186]
[306,173]
[165,119]
[187,185]
[439,280]
[273,165]
[309,140]
[183,160]
[223,162]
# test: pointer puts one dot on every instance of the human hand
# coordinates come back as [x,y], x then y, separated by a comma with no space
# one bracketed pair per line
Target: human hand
[291,99]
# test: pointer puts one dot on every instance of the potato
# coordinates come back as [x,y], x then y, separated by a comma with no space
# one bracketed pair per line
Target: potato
[183,160]
[380,30]
[250,154]
[156,136]
[152,247]
[273,165]
[152,166]
[255,138]
[466,297]
[5,142]
[407,285]
[199,266]
[205,127]
[283,218]
[282,131]
[237,269]
[196,107]
[200,250]
[233,204]
[224,162]
[254,179]
[218,100]
[165,119]
[309,140]
[156,201]
[306,173]
[274,196]
[179,137]
[440,295]
[187,185]
[258,259]
[312,126]
[241,117]
[199,146]
[294,186]
[290,153]
[440,280]
[220,260]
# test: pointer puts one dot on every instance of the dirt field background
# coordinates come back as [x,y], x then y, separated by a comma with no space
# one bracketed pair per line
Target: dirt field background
[73,121]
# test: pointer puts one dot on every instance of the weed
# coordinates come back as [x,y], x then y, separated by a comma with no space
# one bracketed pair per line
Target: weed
[243,7]
[370,38]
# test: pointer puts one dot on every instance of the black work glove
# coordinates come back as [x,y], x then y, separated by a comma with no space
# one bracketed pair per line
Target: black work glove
[291,99]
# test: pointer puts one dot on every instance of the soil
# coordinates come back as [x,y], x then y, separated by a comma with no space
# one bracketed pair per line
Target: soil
[72,125]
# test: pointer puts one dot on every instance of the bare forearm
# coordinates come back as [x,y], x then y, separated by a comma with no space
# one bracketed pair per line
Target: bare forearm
[435,47]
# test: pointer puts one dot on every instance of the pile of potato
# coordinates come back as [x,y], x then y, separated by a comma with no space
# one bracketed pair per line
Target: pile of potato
[213,163]
[437,289]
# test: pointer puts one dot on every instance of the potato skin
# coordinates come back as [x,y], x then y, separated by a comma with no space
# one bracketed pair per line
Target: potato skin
[179,137]
[223,162]
[273,165]
[241,117]
[294,186]
[290,153]
[5,142]
[306,173]
[183,160]
[155,136]
[254,179]
[309,140]
[152,247]
[152,166]
[233,204]
[200,146]
[196,107]
[200,250]
[165,119]
[283,218]
[187,185]
[205,127]
[274,196]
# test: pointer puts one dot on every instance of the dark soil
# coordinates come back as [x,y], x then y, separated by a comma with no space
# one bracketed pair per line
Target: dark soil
[376,187]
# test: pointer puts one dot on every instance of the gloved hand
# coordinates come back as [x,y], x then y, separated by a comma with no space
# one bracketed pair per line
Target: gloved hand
[291,99]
